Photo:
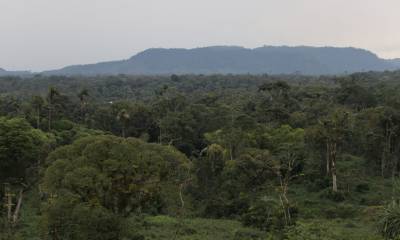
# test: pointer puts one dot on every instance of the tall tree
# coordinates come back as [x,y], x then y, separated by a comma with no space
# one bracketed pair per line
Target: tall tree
[51,95]
[21,147]
[334,128]
[287,145]
[83,95]
[37,104]
[98,181]
[378,129]
[123,117]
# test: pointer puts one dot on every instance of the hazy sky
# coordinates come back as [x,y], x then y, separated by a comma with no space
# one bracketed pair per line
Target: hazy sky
[48,34]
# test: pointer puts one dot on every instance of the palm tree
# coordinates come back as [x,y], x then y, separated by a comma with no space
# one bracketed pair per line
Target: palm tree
[37,103]
[123,116]
[82,95]
[50,100]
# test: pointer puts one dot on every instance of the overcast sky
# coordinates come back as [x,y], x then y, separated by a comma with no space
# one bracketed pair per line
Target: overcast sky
[47,34]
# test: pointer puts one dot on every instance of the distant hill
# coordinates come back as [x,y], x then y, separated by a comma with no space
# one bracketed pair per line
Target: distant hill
[13,73]
[395,62]
[235,60]
[239,60]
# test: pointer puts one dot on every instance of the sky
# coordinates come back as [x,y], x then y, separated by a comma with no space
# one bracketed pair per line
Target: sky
[48,34]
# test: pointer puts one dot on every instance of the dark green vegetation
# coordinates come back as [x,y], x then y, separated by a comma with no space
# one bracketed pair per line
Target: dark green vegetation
[200,157]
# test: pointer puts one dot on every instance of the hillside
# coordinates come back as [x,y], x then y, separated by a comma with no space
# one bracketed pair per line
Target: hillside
[239,60]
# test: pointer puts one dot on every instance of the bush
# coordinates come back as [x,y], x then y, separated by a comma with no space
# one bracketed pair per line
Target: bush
[248,235]
[62,125]
[371,200]
[362,187]
[334,196]
[135,237]
[389,225]
[310,231]
[318,184]
[267,215]
[340,211]
[220,208]
[261,216]
[80,221]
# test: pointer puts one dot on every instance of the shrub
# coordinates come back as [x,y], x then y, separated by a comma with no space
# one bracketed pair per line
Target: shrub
[334,196]
[267,215]
[220,207]
[318,184]
[248,235]
[362,187]
[389,225]
[310,231]
[340,211]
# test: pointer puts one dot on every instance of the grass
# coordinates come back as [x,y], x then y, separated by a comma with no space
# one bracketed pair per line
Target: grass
[164,227]
[336,229]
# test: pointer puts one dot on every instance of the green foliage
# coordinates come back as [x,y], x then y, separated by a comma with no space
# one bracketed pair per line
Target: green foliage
[209,169]
[362,187]
[287,145]
[340,211]
[266,214]
[246,137]
[21,147]
[390,222]
[334,196]
[163,227]
[68,219]
[108,178]
[330,230]
[248,235]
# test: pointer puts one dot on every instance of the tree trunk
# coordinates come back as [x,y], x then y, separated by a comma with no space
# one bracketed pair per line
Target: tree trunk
[17,208]
[160,137]
[9,206]
[328,158]
[394,168]
[283,196]
[38,119]
[82,112]
[334,181]
[333,168]
[49,118]
[231,151]
[383,163]
[284,211]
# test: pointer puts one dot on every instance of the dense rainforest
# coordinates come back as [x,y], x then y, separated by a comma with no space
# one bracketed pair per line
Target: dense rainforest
[200,157]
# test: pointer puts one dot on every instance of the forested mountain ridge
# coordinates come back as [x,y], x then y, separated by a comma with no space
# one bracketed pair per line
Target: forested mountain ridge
[239,60]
